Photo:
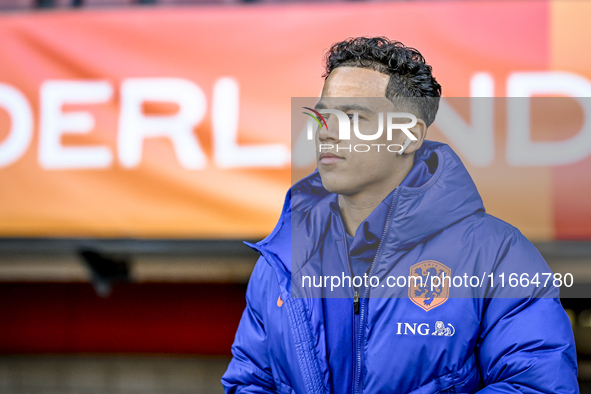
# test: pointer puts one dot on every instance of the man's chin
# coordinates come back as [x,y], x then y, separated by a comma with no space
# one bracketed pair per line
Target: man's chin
[336,187]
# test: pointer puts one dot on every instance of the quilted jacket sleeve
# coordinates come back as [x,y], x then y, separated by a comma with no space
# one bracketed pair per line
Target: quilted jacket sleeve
[526,344]
[249,370]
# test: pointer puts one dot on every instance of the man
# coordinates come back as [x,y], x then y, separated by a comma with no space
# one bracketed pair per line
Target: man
[385,214]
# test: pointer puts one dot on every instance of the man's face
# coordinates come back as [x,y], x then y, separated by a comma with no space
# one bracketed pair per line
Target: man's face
[354,89]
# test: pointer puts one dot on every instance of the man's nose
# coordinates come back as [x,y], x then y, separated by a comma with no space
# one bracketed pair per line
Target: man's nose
[330,131]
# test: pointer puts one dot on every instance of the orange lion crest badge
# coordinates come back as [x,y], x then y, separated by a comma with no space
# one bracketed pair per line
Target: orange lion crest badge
[429,291]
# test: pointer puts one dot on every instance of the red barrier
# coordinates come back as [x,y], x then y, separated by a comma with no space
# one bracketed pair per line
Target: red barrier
[136,318]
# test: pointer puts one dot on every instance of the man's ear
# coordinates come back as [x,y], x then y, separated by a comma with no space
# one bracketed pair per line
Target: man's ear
[420,132]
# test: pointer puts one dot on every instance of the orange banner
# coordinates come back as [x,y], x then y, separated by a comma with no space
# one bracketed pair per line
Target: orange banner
[175,123]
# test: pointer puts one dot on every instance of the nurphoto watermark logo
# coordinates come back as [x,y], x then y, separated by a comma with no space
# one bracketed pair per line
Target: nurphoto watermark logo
[318,121]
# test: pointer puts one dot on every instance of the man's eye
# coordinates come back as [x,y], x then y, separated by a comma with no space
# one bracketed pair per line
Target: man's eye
[351,116]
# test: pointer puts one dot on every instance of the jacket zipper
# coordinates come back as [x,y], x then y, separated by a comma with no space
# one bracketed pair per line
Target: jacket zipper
[356,295]
[346,251]
[363,302]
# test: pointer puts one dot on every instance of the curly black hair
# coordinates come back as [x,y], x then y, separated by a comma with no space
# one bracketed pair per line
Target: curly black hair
[410,76]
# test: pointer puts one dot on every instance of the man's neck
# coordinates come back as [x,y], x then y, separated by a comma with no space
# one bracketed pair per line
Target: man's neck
[357,207]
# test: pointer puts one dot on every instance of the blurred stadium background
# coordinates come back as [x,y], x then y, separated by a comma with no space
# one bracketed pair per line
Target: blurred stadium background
[142,140]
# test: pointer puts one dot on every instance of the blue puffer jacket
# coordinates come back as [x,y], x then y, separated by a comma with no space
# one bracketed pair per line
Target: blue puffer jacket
[463,345]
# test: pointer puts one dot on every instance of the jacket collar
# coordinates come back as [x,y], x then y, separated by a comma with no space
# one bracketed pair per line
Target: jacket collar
[417,210]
